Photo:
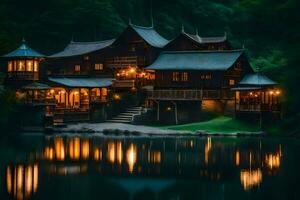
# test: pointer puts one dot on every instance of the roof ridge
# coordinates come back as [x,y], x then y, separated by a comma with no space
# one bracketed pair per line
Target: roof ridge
[143,27]
[205,51]
[92,42]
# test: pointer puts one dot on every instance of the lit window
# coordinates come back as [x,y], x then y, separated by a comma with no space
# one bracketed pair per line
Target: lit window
[103,91]
[21,65]
[206,76]
[29,65]
[98,66]
[184,76]
[175,76]
[35,66]
[10,66]
[77,68]
[231,82]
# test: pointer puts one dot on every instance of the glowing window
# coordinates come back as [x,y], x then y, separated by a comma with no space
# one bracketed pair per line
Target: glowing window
[29,65]
[184,76]
[77,68]
[10,66]
[175,76]
[35,66]
[98,66]
[21,65]
[231,82]
[206,76]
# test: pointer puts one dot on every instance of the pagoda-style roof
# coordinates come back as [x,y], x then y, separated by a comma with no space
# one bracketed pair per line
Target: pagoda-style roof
[254,81]
[24,51]
[36,86]
[80,48]
[150,35]
[196,60]
[82,82]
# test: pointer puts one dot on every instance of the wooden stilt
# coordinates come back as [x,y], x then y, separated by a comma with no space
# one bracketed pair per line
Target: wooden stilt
[158,111]
[175,112]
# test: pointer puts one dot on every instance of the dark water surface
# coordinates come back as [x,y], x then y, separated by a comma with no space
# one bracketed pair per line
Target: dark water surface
[74,167]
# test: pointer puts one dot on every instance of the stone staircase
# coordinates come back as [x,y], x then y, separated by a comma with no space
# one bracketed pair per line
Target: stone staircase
[127,116]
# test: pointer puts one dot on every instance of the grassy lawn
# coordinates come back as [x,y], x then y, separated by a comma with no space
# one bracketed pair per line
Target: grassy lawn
[217,125]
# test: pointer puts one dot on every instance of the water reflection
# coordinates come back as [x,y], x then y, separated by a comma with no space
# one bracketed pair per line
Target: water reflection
[251,178]
[181,158]
[22,180]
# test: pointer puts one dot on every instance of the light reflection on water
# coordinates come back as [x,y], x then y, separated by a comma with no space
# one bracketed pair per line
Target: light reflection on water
[209,159]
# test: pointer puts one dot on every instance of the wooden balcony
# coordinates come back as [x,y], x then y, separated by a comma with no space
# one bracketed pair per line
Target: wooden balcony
[23,75]
[175,94]
[124,83]
[185,95]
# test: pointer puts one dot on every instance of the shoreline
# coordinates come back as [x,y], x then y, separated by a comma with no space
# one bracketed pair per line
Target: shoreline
[120,129]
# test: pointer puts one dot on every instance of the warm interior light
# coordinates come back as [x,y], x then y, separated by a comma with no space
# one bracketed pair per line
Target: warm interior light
[132,70]
[117,97]
[277,92]
[271,92]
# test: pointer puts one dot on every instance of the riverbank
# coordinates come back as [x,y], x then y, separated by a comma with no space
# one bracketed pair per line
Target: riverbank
[222,126]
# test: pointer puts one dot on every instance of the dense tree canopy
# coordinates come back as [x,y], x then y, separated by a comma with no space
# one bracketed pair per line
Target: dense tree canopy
[270,30]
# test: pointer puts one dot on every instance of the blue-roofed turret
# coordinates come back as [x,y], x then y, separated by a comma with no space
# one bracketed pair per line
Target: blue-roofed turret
[23,64]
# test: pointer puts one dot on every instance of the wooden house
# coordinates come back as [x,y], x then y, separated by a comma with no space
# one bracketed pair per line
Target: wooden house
[199,78]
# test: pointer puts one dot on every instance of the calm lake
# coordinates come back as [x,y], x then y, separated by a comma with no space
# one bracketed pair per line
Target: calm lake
[99,167]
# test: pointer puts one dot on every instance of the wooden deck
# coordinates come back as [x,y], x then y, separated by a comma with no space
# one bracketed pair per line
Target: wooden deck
[188,95]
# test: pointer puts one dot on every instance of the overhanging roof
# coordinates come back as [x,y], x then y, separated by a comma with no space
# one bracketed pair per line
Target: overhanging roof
[256,79]
[36,86]
[150,35]
[80,48]
[83,82]
[196,60]
[24,51]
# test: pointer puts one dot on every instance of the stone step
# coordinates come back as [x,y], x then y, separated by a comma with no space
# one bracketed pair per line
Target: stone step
[118,121]
[121,118]
[125,115]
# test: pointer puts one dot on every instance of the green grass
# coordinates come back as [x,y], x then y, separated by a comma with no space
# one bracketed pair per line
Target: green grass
[217,125]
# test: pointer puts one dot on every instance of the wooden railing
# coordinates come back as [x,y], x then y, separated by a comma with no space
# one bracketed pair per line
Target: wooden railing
[258,107]
[124,83]
[175,94]
[189,94]
[23,75]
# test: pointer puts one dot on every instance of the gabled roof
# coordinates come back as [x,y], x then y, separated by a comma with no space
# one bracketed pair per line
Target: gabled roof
[256,79]
[24,51]
[80,48]
[196,60]
[150,35]
[83,82]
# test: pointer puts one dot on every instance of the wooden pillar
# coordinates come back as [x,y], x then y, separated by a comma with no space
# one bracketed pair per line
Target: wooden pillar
[158,110]
[79,97]
[175,112]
